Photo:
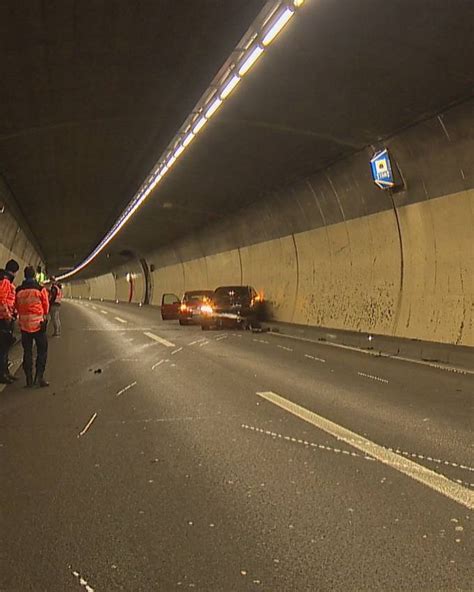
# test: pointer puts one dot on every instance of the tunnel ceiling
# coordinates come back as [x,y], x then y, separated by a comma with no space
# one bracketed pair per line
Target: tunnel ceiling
[92,92]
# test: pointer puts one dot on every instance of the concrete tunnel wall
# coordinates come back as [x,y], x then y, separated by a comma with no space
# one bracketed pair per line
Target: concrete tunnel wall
[333,250]
[15,245]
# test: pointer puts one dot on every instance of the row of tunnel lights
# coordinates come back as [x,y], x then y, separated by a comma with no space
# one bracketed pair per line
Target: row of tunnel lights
[183,140]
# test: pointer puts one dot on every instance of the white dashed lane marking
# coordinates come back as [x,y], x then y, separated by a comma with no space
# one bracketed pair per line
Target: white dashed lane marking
[176,351]
[82,581]
[434,481]
[87,426]
[306,443]
[285,348]
[159,339]
[157,364]
[120,320]
[315,358]
[104,312]
[372,377]
[125,389]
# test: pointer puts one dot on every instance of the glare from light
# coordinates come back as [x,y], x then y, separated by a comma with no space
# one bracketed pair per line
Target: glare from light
[199,125]
[278,26]
[250,60]
[229,87]
[188,139]
[171,161]
[216,103]
[298,3]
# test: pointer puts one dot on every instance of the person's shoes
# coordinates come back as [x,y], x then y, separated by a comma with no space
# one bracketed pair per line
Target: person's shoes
[29,381]
[5,380]
[40,381]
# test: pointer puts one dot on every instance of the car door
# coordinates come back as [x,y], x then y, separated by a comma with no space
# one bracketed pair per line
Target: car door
[170,304]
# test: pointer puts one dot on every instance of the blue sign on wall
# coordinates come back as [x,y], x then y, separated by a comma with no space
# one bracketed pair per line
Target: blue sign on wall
[382,170]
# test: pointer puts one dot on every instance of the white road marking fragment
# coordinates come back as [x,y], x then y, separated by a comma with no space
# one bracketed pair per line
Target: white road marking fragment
[104,312]
[427,477]
[157,364]
[203,343]
[82,581]
[176,351]
[94,307]
[285,348]
[376,353]
[305,443]
[315,358]
[159,339]
[372,377]
[120,320]
[87,426]
[125,389]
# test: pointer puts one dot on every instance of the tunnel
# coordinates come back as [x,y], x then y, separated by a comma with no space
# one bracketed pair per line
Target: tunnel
[254,222]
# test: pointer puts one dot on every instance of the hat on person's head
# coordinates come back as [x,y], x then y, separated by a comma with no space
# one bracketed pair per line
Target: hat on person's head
[29,272]
[12,266]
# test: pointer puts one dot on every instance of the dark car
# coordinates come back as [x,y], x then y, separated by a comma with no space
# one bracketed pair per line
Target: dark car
[232,306]
[191,303]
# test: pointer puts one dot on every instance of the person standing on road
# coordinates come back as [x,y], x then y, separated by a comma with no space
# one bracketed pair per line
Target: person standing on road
[7,318]
[55,297]
[32,304]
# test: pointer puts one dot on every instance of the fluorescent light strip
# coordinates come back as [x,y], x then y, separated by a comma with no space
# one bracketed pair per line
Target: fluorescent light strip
[152,180]
[278,26]
[250,60]
[213,108]
[188,139]
[199,125]
[179,151]
[229,87]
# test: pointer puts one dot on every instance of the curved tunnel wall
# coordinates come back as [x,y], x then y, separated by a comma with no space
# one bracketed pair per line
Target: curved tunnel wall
[14,244]
[333,250]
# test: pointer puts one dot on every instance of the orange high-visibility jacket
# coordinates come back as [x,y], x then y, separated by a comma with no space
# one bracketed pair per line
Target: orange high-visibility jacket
[32,305]
[7,299]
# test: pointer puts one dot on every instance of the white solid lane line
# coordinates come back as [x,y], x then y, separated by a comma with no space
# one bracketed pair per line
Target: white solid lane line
[159,339]
[435,481]
[120,320]
[87,426]
[125,389]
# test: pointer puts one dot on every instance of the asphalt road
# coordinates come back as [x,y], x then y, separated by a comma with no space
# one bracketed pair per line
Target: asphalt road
[165,458]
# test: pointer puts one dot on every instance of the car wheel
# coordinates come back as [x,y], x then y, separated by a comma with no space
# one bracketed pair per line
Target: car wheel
[183,322]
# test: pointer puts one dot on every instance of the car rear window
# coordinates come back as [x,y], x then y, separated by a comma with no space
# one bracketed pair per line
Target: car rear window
[238,291]
[197,296]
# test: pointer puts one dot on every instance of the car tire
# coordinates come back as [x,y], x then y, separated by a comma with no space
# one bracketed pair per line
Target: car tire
[183,322]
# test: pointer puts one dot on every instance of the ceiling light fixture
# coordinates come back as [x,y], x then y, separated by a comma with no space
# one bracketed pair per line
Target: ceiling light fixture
[229,86]
[267,26]
[277,26]
[216,103]
[250,60]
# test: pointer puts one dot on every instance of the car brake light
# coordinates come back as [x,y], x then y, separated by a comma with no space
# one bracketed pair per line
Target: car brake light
[183,308]
[207,309]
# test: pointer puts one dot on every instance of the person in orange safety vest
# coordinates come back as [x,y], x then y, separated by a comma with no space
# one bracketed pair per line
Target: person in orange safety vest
[7,318]
[32,304]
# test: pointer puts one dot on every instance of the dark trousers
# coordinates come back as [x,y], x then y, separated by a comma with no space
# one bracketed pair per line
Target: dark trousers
[41,340]
[6,338]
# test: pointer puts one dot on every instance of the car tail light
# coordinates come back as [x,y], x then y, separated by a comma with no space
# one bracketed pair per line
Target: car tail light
[183,308]
[207,309]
